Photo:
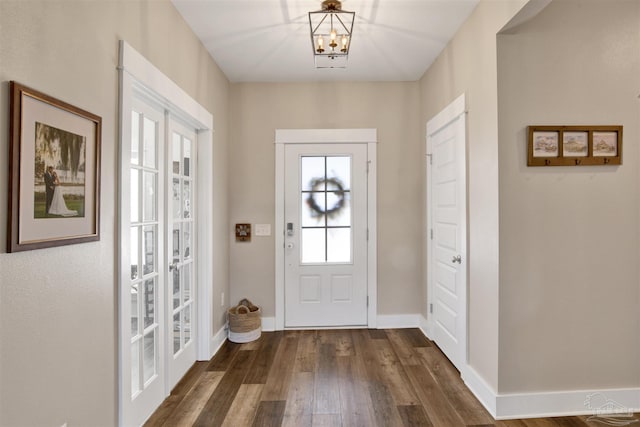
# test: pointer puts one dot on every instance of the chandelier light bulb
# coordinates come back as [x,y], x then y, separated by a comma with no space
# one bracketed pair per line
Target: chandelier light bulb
[344,43]
[333,35]
[320,44]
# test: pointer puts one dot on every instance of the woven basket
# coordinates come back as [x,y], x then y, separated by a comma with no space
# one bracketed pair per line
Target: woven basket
[244,325]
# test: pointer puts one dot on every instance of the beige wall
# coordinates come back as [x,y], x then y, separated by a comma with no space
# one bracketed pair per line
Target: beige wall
[392,108]
[58,316]
[468,65]
[569,242]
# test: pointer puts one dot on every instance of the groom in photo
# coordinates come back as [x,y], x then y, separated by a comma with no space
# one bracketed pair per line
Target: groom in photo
[49,187]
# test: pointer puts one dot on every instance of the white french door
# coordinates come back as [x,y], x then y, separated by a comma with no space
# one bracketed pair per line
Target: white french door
[158,258]
[325,213]
[181,251]
[142,300]
[447,211]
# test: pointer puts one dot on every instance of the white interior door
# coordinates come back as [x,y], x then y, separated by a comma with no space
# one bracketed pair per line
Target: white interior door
[447,222]
[325,235]
[182,251]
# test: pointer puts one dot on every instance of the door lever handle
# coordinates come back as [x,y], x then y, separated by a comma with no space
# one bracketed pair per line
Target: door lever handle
[457,259]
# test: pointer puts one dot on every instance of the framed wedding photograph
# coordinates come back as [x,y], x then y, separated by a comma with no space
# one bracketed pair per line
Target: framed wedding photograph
[54,172]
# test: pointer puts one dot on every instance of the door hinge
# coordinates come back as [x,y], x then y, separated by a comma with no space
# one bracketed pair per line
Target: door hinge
[368,163]
[431,233]
[367,234]
[367,301]
[430,156]
[431,308]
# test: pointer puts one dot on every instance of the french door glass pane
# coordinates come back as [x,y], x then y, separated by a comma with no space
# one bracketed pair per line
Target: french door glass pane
[187,240]
[176,288]
[149,207]
[135,195]
[149,249]
[135,367]
[187,199]
[150,141]
[134,309]
[135,244]
[149,303]
[175,200]
[186,289]
[176,332]
[187,324]
[149,352]
[135,138]
[187,158]
[176,242]
[175,153]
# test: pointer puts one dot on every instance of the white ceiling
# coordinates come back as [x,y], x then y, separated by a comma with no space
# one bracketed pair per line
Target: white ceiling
[268,40]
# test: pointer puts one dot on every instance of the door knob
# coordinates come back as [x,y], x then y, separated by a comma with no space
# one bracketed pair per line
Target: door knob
[457,259]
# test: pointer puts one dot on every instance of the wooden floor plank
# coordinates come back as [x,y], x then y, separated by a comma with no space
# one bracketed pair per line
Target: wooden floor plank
[326,420]
[306,354]
[190,407]
[347,378]
[270,414]
[377,334]
[326,398]
[414,416]
[299,409]
[243,410]
[403,347]
[224,356]
[355,402]
[393,375]
[216,408]
[414,336]
[438,408]
[279,377]
[448,379]
[264,358]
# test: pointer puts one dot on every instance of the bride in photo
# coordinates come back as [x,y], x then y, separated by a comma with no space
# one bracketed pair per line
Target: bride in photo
[58,205]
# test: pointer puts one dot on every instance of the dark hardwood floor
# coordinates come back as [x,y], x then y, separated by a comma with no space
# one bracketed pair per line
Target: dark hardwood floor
[331,378]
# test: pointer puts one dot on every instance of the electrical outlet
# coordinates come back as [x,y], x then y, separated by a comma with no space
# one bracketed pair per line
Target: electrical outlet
[222,299]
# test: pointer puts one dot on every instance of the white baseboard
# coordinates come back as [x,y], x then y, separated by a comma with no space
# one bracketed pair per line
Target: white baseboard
[549,404]
[425,327]
[398,321]
[268,324]
[480,389]
[564,403]
[218,339]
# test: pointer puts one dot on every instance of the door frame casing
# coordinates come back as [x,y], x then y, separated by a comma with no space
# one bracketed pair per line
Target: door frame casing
[327,136]
[456,110]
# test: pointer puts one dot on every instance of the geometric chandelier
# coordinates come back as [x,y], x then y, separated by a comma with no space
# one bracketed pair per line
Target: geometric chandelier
[331,30]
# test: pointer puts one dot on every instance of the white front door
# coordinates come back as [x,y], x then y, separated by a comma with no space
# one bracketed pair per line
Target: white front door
[325,229]
[447,231]
[181,251]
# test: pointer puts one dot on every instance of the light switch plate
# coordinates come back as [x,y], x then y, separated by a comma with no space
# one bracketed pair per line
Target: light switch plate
[263,230]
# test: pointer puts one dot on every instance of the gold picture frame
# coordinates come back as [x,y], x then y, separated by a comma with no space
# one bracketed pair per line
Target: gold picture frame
[574,145]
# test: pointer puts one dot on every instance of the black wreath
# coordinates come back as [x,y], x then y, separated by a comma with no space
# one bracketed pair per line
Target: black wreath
[316,210]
